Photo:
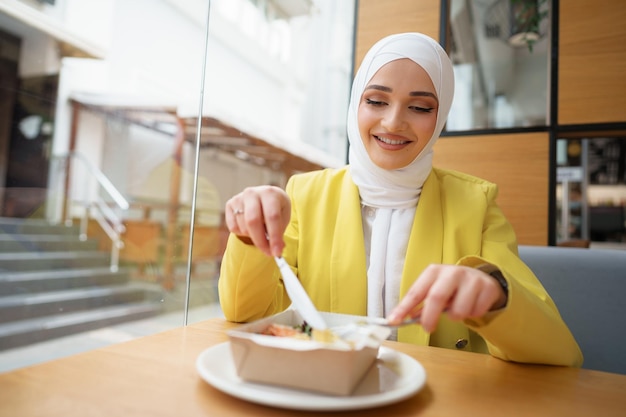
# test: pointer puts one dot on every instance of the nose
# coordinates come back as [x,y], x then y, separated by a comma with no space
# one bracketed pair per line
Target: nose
[393,119]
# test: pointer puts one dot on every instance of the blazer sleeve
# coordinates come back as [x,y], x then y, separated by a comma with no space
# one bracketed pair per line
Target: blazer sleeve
[529,329]
[249,286]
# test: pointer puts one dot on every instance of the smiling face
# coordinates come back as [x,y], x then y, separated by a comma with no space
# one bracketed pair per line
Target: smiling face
[397,114]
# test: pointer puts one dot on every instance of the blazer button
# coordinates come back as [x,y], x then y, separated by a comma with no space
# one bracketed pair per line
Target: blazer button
[461,343]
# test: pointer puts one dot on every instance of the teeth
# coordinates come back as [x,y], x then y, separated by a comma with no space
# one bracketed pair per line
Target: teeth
[389,141]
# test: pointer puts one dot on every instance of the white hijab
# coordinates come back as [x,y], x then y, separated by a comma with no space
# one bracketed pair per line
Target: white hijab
[394,193]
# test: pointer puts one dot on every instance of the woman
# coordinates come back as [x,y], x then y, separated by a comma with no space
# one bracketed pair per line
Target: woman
[389,235]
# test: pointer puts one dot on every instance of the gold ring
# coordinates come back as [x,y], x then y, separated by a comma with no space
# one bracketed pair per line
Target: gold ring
[237,211]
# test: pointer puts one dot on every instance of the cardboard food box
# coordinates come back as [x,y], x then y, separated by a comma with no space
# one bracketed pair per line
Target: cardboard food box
[330,368]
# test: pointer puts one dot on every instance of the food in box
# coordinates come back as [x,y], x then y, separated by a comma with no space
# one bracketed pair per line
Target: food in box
[331,367]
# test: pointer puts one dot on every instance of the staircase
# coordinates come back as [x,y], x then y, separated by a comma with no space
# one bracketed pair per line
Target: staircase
[52,285]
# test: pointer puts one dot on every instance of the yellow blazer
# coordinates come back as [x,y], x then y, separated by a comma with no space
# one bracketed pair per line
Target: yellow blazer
[457,221]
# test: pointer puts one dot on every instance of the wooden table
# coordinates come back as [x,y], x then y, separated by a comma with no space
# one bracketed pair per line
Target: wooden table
[156,376]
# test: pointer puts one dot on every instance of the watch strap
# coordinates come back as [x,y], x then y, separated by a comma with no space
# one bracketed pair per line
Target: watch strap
[494,272]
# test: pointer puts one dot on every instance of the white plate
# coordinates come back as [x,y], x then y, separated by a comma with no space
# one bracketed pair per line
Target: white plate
[394,377]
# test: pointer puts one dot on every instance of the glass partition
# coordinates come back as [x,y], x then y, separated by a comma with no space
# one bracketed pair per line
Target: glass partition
[500,50]
[124,128]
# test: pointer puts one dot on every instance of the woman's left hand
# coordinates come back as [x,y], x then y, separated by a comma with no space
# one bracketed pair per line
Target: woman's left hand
[460,291]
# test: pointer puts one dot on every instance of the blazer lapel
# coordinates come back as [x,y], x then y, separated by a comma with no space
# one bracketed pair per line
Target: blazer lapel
[425,247]
[348,265]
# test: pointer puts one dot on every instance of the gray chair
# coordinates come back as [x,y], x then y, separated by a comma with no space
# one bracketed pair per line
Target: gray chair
[589,288]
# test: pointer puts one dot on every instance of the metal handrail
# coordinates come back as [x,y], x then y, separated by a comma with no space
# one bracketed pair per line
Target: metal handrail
[110,222]
[102,179]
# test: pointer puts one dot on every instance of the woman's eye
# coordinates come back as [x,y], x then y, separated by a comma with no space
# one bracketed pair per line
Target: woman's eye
[422,109]
[374,102]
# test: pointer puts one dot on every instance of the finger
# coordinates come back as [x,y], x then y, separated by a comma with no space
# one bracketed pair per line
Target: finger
[440,294]
[276,213]
[486,299]
[463,304]
[231,211]
[477,295]
[252,223]
[411,303]
[438,298]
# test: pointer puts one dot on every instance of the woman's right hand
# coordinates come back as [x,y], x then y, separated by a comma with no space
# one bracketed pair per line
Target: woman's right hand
[259,216]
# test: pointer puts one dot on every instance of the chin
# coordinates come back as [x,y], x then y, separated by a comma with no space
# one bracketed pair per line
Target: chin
[389,165]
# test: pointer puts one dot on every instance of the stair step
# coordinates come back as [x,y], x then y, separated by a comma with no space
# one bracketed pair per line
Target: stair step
[44,243]
[52,284]
[29,282]
[26,306]
[14,226]
[25,332]
[23,261]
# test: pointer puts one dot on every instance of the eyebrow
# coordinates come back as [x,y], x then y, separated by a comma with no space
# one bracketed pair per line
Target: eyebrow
[412,93]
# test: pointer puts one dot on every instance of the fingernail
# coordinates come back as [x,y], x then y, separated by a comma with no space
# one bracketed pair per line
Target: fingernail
[277,250]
